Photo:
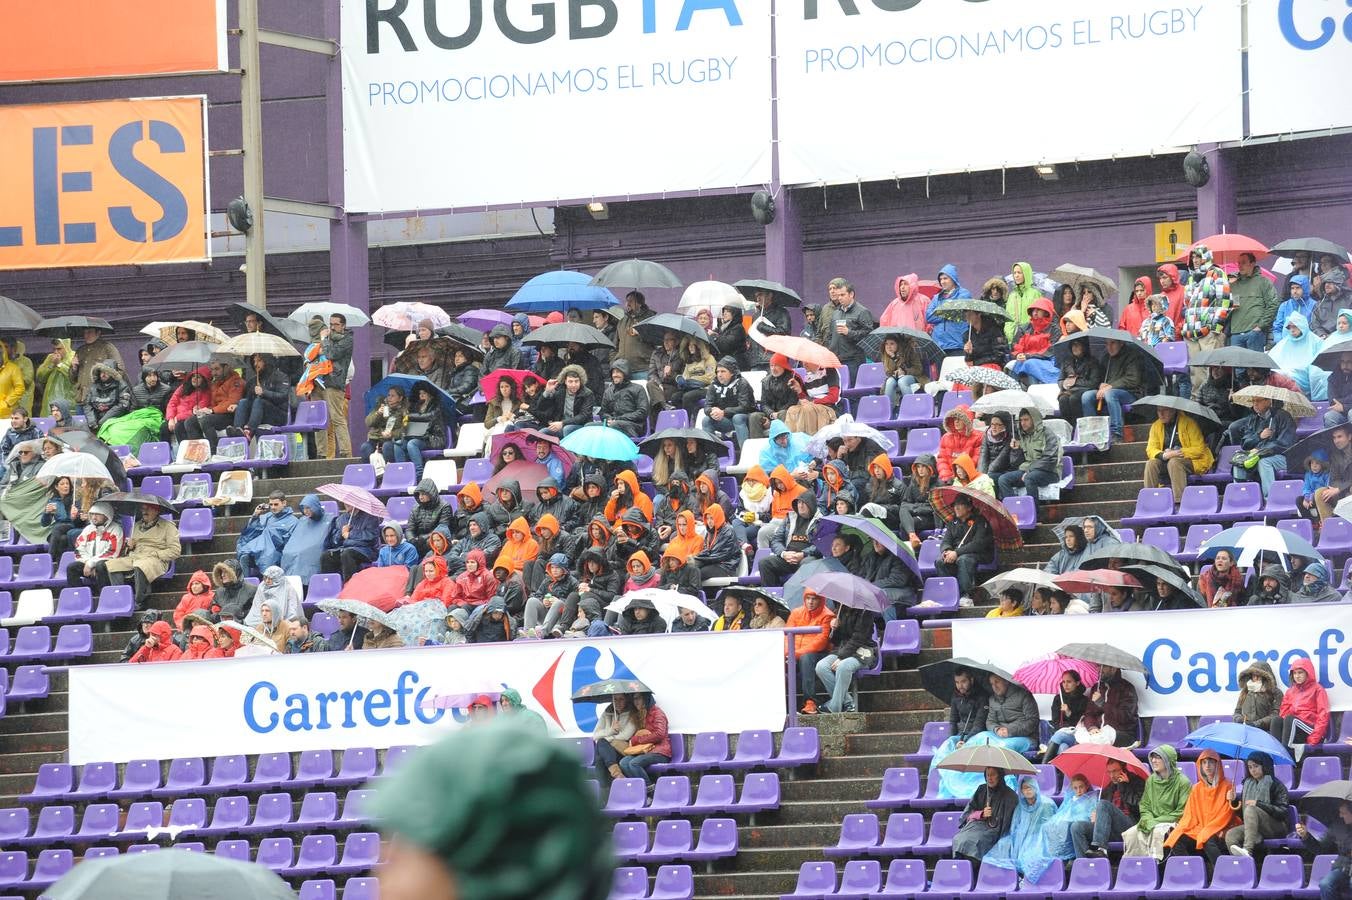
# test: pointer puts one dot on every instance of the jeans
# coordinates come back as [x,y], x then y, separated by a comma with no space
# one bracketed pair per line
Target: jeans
[837,681]
[894,387]
[807,679]
[1063,738]
[1113,399]
[411,450]
[964,570]
[637,766]
[388,449]
[1333,417]
[249,413]
[1267,470]
[1108,826]
[1017,482]
[1252,340]
[738,423]
[1335,886]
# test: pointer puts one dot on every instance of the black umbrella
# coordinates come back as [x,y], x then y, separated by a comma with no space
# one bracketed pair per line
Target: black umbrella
[1098,338]
[1314,246]
[570,333]
[182,357]
[957,310]
[749,594]
[601,691]
[1320,440]
[653,328]
[748,287]
[636,273]
[1103,655]
[71,326]
[1204,417]
[87,442]
[463,334]
[1324,801]
[14,316]
[1331,355]
[653,445]
[1234,358]
[930,352]
[291,330]
[1130,554]
[130,502]
[937,677]
[1149,574]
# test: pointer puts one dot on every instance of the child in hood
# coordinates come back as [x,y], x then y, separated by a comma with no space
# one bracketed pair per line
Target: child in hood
[1316,477]
[965,474]
[1033,343]
[959,438]
[158,646]
[1157,328]
[199,595]
[1303,717]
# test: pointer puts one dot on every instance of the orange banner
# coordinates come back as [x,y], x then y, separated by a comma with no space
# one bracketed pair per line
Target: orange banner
[105,183]
[54,40]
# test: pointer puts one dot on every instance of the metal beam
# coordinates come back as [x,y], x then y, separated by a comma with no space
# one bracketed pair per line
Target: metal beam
[322,46]
[302,208]
[251,124]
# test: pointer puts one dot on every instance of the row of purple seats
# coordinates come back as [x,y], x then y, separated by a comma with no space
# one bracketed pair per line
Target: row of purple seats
[28,683]
[631,882]
[674,839]
[360,888]
[755,748]
[73,605]
[318,854]
[671,796]
[155,456]
[35,570]
[188,775]
[33,644]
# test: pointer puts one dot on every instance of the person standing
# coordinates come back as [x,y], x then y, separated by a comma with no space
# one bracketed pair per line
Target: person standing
[335,442]
[1255,305]
[852,323]
[1206,307]
[628,345]
[94,350]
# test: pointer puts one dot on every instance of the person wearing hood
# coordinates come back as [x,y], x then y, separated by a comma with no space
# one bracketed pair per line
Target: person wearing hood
[630,348]
[908,306]
[1262,804]
[352,543]
[1207,815]
[549,500]
[1315,587]
[966,474]
[264,536]
[1264,436]
[1171,286]
[198,596]
[1021,299]
[302,554]
[490,623]
[809,330]
[510,704]
[641,572]
[1162,805]
[476,585]
[1037,457]
[959,437]
[232,596]
[201,644]
[986,819]
[430,513]
[1259,697]
[1080,370]
[914,511]
[53,374]
[275,589]
[1331,297]
[191,395]
[1136,312]
[625,495]
[968,543]
[785,448]
[949,334]
[624,405]
[1032,348]
[1206,308]
[548,600]
[107,397]
[99,541]
[1255,303]
[502,354]
[519,328]
[1157,328]
[144,622]
[520,546]
[379,637]
[158,646]
[1011,715]
[719,556]
[1073,549]
[435,583]
[809,648]
[571,402]
[1175,450]
[728,402]
[1298,348]
[12,385]
[792,543]
[394,550]
[93,350]
[504,506]
[641,617]
[1022,848]
[678,574]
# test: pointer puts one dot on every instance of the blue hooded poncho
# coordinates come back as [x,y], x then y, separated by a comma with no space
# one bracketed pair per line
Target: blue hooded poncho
[528,352]
[1054,842]
[1292,354]
[1023,843]
[948,334]
[1305,306]
[301,554]
[790,457]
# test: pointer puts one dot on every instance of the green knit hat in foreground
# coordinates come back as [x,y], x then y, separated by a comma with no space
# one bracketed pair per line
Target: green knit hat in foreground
[509,812]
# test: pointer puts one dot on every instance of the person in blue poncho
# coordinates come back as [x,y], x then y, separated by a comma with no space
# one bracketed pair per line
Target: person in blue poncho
[263,537]
[1298,348]
[352,543]
[1299,300]
[786,448]
[948,334]
[304,547]
[1023,843]
[1053,842]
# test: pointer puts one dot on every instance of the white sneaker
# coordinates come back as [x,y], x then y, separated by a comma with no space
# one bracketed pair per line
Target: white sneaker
[1236,850]
[966,602]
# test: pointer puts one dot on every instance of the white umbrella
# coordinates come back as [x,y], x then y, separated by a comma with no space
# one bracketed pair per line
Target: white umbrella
[406,314]
[325,308]
[74,465]
[712,295]
[166,331]
[1019,578]
[255,636]
[258,342]
[845,427]
[668,603]
[1012,402]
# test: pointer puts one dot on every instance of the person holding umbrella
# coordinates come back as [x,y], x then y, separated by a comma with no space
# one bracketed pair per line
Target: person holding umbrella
[949,334]
[1118,808]
[852,640]
[1068,707]
[968,543]
[1079,369]
[986,818]
[1262,805]
[1264,437]
[1337,884]
[1123,381]
[1112,707]
[351,544]
[1175,450]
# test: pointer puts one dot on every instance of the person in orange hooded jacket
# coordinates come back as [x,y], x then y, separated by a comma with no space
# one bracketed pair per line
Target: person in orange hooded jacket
[1207,815]
[1303,717]
[810,648]
[959,438]
[520,547]
[625,494]
[678,574]
[718,558]
[200,595]
[686,541]
[158,647]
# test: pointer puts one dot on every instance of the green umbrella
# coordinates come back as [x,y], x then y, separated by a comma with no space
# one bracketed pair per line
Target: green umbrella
[169,875]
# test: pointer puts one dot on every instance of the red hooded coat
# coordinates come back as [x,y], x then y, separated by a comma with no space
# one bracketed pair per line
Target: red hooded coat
[953,444]
[1308,702]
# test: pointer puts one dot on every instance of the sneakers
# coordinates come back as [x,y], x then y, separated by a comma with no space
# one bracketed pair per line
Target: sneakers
[966,602]
[1236,850]
[809,708]
[1096,852]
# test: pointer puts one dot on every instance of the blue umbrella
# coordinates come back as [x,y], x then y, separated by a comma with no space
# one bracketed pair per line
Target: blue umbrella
[1247,542]
[1236,740]
[872,529]
[407,383]
[601,442]
[552,291]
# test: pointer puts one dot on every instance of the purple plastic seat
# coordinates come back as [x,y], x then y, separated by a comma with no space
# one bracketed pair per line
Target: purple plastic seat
[235,849]
[188,814]
[629,882]
[100,821]
[755,747]
[1174,355]
[153,456]
[760,791]
[671,796]
[1335,538]
[365,888]
[31,643]
[1196,536]
[861,878]
[1023,510]
[629,839]
[994,881]
[943,591]
[585,749]
[711,750]
[202,478]
[399,508]
[358,766]
[1089,878]
[928,556]
[1317,770]
[1304,528]
[859,836]
[317,853]
[311,415]
[361,851]
[932,735]
[1136,875]
[1048,887]
[143,818]
[157,486]
[228,773]
[271,813]
[815,879]
[317,888]
[1241,500]
[196,524]
[106,852]
[1164,537]
[355,806]
[1153,505]
[915,410]
[874,410]
[905,878]
[273,770]
[116,601]
[939,841]
[1167,730]
[186,775]
[920,441]
[55,825]
[900,786]
[901,637]
[952,400]
[276,853]
[800,747]
[904,832]
[671,883]
[13,826]
[1234,876]
[13,868]
[477,470]
[716,793]
[230,815]
[671,418]
[97,780]
[72,642]
[952,879]
[1282,498]
[49,868]
[30,683]
[315,767]
[1282,875]
[73,604]
[318,810]
[672,839]
[140,779]
[1184,876]
[868,379]
[627,797]
[362,475]
[399,478]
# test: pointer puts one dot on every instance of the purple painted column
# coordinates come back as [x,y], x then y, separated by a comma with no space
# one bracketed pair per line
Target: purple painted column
[1216,210]
[784,243]
[349,258]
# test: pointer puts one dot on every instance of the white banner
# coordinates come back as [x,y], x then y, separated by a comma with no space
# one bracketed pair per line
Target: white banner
[1300,63]
[872,89]
[704,682]
[1194,656]
[519,101]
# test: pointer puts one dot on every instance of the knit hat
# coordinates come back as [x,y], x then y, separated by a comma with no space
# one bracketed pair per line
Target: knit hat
[779,359]
[559,559]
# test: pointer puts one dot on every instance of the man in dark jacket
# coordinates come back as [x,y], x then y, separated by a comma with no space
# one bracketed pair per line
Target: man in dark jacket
[728,402]
[1011,713]
[967,710]
[968,543]
[624,406]
[1337,884]
[150,391]
[1123,382]
[1118,809]
[1113,702]
[629,347]
[1264,437]
[777,395]
[336,344]
[791,542]
[850,324]
[505,506]
[349,634]
[351,543]
[430,513]
[1339,466]
[502,354]
[1263,806]
[853,647]
[571,402]
[549,499]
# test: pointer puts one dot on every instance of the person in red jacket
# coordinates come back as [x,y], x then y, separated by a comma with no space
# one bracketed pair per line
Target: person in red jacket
[191,395]
[159,646]
[1303,718]
[1172,287]
[959,438]
[200,595]
[226,387]
[435,584]
[1136,311]
[476,585]
[201,644]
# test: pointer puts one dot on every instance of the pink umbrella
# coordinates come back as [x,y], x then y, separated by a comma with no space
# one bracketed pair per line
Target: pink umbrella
[1232,269]
[522,439]
[1094,580]
[525,473]
[355,497]
[1043,675]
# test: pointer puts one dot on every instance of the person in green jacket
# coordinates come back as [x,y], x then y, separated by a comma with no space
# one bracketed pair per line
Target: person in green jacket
[1254,305]
[54,375]
[1166,793]
[510,704]
[1023,294]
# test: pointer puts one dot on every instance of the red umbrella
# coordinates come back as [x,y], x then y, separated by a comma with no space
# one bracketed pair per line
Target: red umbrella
[1005,529]
[1091,761]
[1226,248]
[1043,675]
[526,473]
[489,383]
[380,586]
[1094,580]
[929,289]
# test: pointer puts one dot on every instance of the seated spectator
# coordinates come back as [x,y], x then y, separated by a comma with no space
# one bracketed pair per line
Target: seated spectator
[767,614]
[385,425]
[1259,697]
[1117,810]
[264,536]
[785,448]
[1022,846]
[1079,369]
[1339,466]
[1008,604]
[490,623]
[301,640]
[144,418]
[266,397]
[199,596]
[1215,393]
[394,550]
[904,369]
[152,547]
[986,818]
[1036,458]
[108,396]
[158,646]
[351,543]
[98,541]
[624,405]
[650,743]
[1119,599]
[138,637]
[809,648]
[1068,707]
[1338,839]
[505,405]
[1123,382]
[1162,805]
[502,354]
[641,572]
[1340,380]
[227,389]
[430,513]
[275,589]
[1298,346]
[853,647]
[379,637]
[511,590]
[1064,604]
[914,511]
[1167,596]
[547,602]
[1207,815]
[641,617]
[965,474]
[435,584]
[968,543]
[1262,804]
[191,395]
[201,645]
[808,415]
[232,596]
[476,585]
[1067,559]
[1156,328]
[986,346]
[719,557]
[1222,583]
[425,431]
[351,635]
[1011,715]
[678,574]
[1303,717]
[728,402]
[1315,587]
[959,437]
[1264,437]
[997,451]
[1175,449]
[1111,715]
[736,613]
[615,726]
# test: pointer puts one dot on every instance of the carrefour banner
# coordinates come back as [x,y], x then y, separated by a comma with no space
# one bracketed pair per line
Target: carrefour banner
[518,101]
[1194,657]
[111,182]
[876,89]
[1300,62]
[704,682]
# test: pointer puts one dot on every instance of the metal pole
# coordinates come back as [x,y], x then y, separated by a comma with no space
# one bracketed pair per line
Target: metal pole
[251,124]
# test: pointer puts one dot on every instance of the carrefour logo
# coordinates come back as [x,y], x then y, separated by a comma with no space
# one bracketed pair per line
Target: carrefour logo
[585,671]
[1304,37]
